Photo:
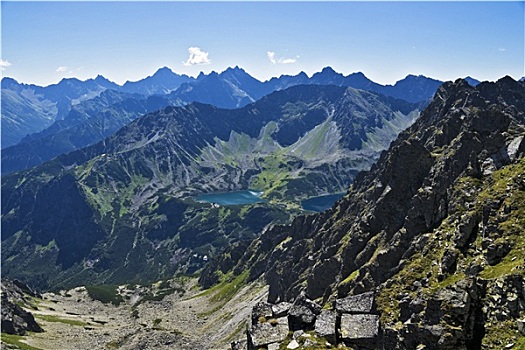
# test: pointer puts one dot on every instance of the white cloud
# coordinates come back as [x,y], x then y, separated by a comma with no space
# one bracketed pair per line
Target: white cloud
[502,49]
[197,56]
[287,60]
[61,69]
[4,64]
[281,60]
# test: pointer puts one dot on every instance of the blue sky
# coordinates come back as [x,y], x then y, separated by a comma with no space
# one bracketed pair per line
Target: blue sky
[43,42]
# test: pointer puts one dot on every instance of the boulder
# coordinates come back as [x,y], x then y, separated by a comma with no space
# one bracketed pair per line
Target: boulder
[325,325]
[239,345]
[359,327]
[467,227]
[272,331]
[303,312]
[356,304]
[496,252]
[274,346]
[293,345]
[449,261]
[261,311]
[16,320]
[281,309]
[521,326]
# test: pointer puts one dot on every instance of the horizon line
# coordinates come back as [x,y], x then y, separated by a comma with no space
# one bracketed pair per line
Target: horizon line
[238,67]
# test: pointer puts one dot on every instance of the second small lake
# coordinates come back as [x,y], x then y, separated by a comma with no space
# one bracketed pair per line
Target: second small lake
[231,198]
[321,203]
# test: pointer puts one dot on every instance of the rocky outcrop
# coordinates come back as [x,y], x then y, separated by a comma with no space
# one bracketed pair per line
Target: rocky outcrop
[356,304]
[304,323]
[431,228]
[16,320]
[326,326]
[360,328]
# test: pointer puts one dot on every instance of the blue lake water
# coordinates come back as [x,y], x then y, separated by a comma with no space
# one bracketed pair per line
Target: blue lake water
[231,198]
[321,203]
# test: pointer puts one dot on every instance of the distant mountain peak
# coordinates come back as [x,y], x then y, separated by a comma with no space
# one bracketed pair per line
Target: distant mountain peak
[69,81]
[359,75]
[201,76]
[7,81]
[328,76]
[101,79]
[164,71]
[328,70]
[472,81]
[236,68]
[414,76]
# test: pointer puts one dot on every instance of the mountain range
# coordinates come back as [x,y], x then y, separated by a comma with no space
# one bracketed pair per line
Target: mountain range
[113,211]
[29,109]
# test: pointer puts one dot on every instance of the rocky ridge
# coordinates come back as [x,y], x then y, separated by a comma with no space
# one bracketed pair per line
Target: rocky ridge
[434,229]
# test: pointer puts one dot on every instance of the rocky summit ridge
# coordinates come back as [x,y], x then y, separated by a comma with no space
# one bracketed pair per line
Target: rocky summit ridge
[434,230]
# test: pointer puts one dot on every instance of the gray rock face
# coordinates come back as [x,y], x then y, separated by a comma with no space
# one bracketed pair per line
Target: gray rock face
[521,326]
[359,327]
[448,261]
[496,252]
[274,346]
[325,325]
[465,229]
[303,312]
[281,309]
[261,310]
[356,304]
[273,331]
[16,320]
[239,345]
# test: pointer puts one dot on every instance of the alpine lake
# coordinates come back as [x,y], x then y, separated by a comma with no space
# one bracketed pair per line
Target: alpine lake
[313,204]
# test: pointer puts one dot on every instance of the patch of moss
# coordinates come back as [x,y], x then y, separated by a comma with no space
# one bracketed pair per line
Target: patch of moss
[53,318]
[237,332]
[16,340]
[156,323]
[105,294]
[350,277]
[224,291]
[501,334]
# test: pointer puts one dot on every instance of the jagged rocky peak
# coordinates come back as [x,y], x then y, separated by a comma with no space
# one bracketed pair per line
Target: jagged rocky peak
[434,229]
[328,76]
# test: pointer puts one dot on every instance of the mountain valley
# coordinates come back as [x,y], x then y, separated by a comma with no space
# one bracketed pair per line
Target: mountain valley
[113,212]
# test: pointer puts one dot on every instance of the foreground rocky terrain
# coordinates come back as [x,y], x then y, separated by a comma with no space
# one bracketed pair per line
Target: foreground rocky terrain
[172,314]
